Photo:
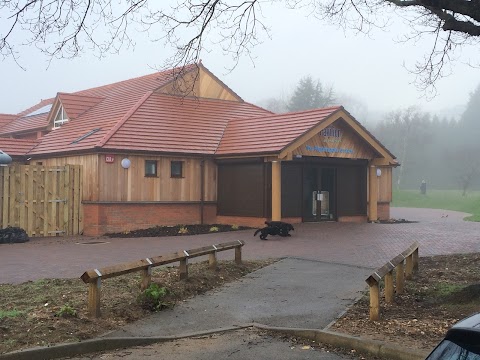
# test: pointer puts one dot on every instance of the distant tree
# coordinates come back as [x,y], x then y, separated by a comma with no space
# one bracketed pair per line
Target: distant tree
[276,105]
[470,119]
[310,94]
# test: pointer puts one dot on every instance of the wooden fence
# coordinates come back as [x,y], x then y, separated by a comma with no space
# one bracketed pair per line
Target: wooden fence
[44,201]
[94,277]
[404,264]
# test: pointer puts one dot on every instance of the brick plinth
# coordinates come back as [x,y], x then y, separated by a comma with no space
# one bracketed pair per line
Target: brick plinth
[102,218]
[383,211]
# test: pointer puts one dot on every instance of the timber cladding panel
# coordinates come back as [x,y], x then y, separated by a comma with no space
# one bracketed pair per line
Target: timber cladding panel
[337,141]
[119,184]
[44,201]
[89,164]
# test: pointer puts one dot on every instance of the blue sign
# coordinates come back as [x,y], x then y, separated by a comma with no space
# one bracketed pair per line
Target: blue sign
[321,149]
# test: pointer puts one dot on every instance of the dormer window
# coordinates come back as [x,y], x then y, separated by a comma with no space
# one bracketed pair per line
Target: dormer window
[60,119]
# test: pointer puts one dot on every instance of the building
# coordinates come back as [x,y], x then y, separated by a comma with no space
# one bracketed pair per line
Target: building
[179,147]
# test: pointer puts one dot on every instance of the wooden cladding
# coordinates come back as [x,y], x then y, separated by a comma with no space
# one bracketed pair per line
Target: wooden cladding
[336,141]
[119,184]
[199,83]
[44,201]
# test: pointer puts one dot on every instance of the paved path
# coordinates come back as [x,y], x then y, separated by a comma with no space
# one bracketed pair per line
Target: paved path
[366,245]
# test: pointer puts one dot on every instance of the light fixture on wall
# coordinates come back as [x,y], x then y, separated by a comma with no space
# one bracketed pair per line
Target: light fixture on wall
[5,159]
[126,163]
[379,172]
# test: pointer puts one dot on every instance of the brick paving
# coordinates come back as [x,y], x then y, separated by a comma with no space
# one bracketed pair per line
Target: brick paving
[367,245]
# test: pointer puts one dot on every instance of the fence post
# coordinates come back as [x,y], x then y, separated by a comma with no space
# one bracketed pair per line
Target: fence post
[409,267]
[389,287]
[374,302]
[146,278]
[415,260]
[238,255]
[400,278]
[183,269]
[212,260]
[94,290]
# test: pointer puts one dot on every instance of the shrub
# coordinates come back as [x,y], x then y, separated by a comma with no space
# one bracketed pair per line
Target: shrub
[66,311]
[213,229]
[183,230]
[235,227]
[153,298]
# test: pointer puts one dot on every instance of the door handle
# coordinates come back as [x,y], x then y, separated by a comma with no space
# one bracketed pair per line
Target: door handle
[314,203]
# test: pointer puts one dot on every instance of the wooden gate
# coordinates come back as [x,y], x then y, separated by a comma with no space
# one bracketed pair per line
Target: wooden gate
[42,200]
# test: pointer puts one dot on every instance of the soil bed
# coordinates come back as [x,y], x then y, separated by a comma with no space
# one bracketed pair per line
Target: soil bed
[51,311]
[445,290]
[177,230]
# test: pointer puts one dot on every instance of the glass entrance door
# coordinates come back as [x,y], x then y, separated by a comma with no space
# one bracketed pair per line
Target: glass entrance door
[318,193]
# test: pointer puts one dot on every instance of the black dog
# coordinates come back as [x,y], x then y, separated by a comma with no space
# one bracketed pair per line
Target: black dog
[274,228]
[269,230]
[284,228]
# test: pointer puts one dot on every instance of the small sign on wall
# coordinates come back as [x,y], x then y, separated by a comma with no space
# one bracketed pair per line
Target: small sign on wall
[109,159]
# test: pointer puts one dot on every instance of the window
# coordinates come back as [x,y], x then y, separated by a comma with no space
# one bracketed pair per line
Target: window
[60,119]
[176,168]
[150,167]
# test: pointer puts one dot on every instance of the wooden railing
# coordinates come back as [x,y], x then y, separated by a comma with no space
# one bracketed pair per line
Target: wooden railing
[404,264]
[94,277]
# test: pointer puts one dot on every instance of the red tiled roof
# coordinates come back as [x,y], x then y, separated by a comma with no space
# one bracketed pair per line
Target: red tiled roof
[16,147]
[128,90]
[180,125]
[271,133]
[6,118]
[76,105]
[23,122]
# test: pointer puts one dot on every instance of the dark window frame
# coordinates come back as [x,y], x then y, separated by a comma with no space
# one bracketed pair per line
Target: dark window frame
[174,174]
[149,162]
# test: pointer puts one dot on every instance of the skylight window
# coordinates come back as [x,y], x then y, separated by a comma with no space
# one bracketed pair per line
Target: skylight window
[60,119]
[85,135]
[43,110]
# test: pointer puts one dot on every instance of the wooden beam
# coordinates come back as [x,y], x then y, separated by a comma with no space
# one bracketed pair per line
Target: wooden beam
[415,260]
[372,193]
[146,278]
[276,191]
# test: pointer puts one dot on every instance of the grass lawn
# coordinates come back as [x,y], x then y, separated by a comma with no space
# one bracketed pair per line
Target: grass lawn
[440,199]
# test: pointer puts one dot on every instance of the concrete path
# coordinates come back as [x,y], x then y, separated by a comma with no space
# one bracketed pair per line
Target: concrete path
[366,245]
[289,293]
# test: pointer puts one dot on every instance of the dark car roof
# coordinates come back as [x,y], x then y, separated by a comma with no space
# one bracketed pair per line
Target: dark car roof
[466,330]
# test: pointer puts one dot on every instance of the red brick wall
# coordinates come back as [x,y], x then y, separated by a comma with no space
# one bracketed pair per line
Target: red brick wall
[101,218]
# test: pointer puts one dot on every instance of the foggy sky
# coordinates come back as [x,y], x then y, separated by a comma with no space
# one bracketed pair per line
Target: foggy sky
[369,68]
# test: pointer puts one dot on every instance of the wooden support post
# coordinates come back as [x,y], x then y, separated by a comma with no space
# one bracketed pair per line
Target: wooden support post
[409,267]
[183,269]
[94,290]
[374,302]
[372,193]
[146,278]
[389,287]
[415,260]
[276,191]
[400,278]
[212,260]
[238,255]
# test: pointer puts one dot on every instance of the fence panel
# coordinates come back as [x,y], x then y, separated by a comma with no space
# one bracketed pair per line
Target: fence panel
[44,201]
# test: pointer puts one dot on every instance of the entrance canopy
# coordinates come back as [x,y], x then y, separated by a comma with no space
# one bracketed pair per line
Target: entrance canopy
[330,132]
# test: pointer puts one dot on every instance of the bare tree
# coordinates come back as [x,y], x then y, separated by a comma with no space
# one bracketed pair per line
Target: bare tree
[62,28]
